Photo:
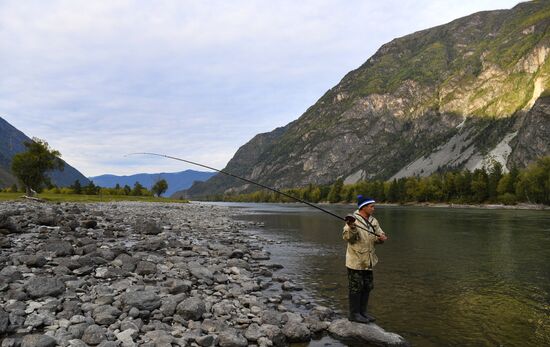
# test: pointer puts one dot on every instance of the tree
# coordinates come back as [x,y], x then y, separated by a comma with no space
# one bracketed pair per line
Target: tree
[480,185]
[336,189]
[495,174]
[160,187]
[91,188]
[31,166]
[138,188]
[76,187]
[127,189]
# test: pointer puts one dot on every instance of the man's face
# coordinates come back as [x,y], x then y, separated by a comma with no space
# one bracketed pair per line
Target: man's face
[369,209]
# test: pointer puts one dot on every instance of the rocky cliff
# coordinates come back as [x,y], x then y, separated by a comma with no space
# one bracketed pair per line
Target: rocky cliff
[12,142]
[451,97]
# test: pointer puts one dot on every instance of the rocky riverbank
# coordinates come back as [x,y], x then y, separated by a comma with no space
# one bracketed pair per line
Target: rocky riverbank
[149,274]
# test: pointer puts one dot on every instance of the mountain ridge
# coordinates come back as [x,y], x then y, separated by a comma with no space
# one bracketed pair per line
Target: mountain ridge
[176,180]
[476,80]
[12,142]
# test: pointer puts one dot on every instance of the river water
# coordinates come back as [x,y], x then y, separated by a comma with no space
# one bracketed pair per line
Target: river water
[446,276]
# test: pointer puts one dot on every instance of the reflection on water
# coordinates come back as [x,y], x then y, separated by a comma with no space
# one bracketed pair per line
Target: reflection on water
[446,277]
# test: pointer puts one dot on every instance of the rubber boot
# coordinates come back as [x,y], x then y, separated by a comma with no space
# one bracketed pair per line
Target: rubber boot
[363,306]
[355,309]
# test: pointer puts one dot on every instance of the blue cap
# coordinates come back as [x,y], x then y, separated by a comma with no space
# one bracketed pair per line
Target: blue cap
[362,201]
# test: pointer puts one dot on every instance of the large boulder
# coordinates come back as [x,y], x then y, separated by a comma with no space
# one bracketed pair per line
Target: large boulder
[365,333]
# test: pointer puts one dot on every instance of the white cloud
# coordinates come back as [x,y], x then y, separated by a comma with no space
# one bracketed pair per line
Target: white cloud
[99,79]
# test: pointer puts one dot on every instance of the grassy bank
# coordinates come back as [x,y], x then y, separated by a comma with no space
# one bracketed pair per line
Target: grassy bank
[87,198]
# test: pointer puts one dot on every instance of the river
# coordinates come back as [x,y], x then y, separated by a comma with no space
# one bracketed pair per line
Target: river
[446,276]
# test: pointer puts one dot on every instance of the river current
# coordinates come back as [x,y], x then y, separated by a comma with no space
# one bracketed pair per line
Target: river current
[446,276]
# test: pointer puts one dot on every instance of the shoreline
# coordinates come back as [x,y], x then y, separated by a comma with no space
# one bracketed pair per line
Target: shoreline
[520,206]
[147,274]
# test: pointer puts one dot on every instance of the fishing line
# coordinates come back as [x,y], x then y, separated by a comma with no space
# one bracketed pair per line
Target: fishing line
[345,219]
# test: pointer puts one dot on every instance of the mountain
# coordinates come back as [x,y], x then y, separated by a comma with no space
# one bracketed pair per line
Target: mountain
[12,142]
[456,96]
[176,181]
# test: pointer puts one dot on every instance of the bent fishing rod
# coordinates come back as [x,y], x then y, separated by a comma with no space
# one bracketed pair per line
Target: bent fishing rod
[346,219]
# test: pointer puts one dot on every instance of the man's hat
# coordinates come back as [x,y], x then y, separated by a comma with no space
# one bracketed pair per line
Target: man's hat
[362,201]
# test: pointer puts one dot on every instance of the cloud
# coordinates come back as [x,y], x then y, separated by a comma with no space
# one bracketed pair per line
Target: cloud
[99,79]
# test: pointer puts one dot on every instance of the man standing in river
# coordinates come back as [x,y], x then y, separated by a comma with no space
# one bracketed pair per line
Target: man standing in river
[362,232]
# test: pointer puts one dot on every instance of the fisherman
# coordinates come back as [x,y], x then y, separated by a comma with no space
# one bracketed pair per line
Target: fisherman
[360,257]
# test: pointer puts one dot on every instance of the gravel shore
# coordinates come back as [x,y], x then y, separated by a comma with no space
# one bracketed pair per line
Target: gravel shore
[145,274]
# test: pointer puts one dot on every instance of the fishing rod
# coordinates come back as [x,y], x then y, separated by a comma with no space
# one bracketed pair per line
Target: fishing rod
[347,219]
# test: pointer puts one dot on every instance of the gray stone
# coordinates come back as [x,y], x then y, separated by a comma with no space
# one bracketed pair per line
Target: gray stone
[142,300]
[37,340]
[59,248]
[10,274]
[88,223]
[46,218]
[11,342]
[237,253]
[296,332]
[205,340]
[169,304]
[253,332]
[4,321]
[35,260]
[274,334]
[109,344]
[191,308]
[106,314]
[148,227]
[7,222]
[94,334]
[38,287]
[34,320]
[134,312]
[258,255]
[177,286]
[146,268]
[126,337]
[224,307]
[77,330]
[287,285]
[232,338]
[106,254]
[200,271]
[77,343]
[271,317]
[365,333]
[159,338]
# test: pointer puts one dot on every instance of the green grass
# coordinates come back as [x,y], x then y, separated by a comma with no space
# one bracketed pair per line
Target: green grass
[88,198]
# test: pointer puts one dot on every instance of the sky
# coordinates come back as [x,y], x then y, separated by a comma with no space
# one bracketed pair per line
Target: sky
[191,79]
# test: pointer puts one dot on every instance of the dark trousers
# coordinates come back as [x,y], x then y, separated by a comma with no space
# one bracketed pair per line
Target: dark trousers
[361,282]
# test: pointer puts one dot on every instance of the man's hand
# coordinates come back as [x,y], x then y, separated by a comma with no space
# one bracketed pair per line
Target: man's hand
[382,238]
[350,221]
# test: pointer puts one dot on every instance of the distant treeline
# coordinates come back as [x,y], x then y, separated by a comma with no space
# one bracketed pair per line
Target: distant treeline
[91,189]
[486,185]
